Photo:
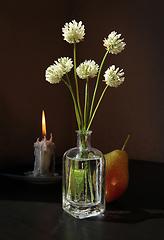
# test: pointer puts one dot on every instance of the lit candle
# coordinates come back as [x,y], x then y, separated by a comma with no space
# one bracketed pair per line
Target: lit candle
[44,152]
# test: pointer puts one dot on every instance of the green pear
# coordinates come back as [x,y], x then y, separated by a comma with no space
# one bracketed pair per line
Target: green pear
[117,173]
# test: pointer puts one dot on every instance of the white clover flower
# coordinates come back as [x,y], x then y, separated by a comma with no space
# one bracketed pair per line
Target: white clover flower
[87,69]
[113,77]
[54,73]
[113,43]
[66,64]
[73,31]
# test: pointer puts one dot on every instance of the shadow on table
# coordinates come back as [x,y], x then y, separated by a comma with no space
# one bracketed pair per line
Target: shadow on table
[127,216]
[130,216]
[118,211]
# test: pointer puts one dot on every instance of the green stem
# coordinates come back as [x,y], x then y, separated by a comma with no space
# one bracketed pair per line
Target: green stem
[85,187]
[86,103]
[76,83]
[69,194]
[88,179]
[90,182]
[74,100]
[98,77]
[74,188]
[96,107]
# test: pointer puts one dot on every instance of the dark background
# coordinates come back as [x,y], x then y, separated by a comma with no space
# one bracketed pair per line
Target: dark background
[31,39]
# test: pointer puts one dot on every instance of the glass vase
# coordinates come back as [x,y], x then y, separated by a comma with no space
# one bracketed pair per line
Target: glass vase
[83,179]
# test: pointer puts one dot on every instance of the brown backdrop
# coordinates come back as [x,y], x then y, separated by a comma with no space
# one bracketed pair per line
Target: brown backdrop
[31,40]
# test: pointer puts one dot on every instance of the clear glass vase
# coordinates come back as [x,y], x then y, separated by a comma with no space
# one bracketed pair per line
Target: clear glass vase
[83,179]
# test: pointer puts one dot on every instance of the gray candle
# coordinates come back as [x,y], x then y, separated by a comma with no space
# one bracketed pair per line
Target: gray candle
[44,152]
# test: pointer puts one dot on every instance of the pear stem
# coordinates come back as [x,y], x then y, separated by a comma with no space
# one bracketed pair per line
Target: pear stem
[126,141]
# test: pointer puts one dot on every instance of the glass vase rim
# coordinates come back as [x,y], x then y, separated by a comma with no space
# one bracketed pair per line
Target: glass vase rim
[83,131]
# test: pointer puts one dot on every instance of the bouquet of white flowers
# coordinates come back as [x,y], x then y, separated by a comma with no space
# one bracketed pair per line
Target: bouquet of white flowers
[73,33]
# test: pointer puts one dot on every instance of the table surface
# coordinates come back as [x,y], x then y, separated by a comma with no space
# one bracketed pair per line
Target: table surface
[33,211]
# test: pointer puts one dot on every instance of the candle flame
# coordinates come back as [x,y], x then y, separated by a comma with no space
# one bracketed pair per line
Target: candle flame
[43,124]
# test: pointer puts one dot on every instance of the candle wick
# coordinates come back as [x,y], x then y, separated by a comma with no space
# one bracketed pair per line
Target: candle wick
[50,137]
[44,144]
